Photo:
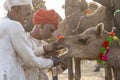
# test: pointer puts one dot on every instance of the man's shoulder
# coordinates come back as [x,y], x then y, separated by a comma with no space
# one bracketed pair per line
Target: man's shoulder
[13,25]
[6,19]
[10,23]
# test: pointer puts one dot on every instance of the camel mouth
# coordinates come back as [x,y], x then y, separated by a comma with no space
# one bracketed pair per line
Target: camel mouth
[64,48]
[62,51]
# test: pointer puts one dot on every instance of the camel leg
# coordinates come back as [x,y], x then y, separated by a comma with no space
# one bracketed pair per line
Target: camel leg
[118,74]
[77,68]
[70,69]
[108,72]
[115,73]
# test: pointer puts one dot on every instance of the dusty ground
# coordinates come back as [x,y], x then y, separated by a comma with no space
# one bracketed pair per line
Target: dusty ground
[87,72]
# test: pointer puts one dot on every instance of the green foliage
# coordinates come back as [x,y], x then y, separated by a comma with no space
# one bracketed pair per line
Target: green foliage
[41,4]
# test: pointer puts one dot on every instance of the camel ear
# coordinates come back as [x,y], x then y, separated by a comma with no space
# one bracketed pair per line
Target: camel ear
[100,28]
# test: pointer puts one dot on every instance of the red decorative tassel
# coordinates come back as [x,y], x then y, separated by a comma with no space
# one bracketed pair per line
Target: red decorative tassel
[60,37]
[105,48]
[105,44]
[112,34]
[100,56]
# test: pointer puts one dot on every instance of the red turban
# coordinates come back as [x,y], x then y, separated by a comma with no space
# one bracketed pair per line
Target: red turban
[43,16]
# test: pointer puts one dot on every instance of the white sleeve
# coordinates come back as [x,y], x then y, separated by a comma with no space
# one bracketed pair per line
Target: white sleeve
[20,43]
[40,50]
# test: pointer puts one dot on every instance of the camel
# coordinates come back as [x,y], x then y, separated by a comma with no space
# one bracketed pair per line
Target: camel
[73,15]
[106,3]
[93,6]
[102,14]
[64,29]
[79,8]
[89,43]
[114,7]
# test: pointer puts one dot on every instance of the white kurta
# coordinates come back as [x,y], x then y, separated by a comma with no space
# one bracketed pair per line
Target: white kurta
[13,44]
[37,46]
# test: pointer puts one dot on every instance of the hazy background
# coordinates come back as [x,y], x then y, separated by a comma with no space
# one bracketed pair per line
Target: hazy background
[50,4]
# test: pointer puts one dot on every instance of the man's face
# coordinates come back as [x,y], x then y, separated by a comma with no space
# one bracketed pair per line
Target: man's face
[47,31]
[24,14]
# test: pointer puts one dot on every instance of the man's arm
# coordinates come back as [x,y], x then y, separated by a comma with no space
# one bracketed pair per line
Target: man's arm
[21,46]
[38,51]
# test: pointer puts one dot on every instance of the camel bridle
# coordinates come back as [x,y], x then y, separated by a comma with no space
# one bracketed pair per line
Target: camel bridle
[116,10]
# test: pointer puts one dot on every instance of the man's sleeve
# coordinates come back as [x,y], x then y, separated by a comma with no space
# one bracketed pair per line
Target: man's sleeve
[40,50]
[20,43]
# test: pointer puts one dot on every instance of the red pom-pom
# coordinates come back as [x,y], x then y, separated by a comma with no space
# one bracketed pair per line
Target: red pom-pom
[59,37]
[112,34]
[100,56]
[105,44]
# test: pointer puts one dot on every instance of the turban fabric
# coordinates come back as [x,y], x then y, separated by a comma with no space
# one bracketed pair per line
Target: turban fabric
[10,3]
[43,16]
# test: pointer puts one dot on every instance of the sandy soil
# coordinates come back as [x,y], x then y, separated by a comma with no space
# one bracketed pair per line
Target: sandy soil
[87,68]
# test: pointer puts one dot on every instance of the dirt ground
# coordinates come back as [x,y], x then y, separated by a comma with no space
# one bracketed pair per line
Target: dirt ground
[88,73]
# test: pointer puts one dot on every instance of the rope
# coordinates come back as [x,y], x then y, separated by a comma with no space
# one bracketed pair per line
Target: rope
[56,65]
[78,24]
[116,11]
[72,13]
[104,50]
[113,29]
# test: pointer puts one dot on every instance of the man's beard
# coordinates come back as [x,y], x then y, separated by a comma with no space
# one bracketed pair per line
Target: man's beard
[25,23]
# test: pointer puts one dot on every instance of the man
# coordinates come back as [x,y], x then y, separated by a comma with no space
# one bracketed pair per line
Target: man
[45,23]
[14,43]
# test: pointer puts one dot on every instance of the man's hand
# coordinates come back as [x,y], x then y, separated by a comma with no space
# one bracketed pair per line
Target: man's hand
[50,48]
[57,61]
[60,68]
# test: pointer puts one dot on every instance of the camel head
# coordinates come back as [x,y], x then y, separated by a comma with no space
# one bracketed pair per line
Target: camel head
[87,44]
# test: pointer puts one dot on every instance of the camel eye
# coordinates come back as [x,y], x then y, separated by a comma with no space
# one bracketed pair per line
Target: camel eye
[83,40]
